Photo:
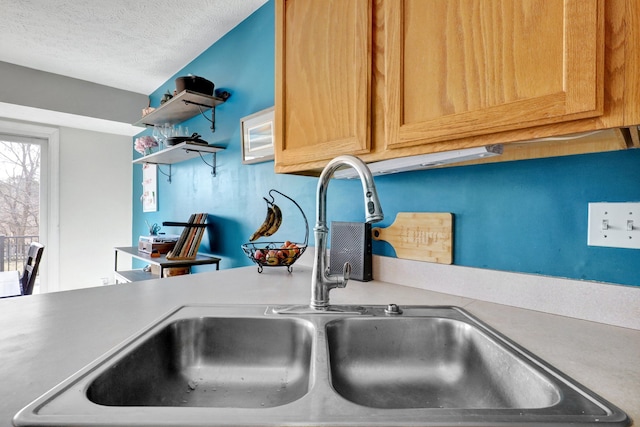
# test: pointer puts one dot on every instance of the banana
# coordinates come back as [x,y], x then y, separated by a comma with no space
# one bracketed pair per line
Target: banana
[276,223]
[266,224]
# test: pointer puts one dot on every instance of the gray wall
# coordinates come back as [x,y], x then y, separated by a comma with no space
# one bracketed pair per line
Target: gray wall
[47,91]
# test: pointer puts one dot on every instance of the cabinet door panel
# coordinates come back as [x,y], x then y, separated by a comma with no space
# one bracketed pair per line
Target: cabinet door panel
[459,68]
[323,79]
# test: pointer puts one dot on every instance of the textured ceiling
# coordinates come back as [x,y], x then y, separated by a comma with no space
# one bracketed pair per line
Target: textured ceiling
[127,44]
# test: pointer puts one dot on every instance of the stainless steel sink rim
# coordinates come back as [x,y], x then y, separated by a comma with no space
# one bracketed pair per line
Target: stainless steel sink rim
[67,403]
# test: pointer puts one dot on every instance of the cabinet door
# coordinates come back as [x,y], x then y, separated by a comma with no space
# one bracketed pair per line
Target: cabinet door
[323,79]
[460,68]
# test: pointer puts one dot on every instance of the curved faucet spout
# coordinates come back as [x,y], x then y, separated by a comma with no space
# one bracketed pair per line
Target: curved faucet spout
[322,282]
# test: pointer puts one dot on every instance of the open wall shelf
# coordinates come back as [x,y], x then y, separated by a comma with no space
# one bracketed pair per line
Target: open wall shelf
[181,107]
[177,153]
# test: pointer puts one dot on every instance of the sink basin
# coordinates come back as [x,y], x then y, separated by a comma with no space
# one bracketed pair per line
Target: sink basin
[214,362]
[405,363]
[268,366]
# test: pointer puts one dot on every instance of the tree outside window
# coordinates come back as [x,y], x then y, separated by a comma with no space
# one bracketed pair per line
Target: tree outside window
[19,196]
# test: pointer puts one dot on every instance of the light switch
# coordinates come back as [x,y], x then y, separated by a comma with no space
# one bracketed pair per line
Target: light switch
[615,225]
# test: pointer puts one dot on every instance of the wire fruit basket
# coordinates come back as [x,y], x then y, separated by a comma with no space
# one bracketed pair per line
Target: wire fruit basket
[277,254]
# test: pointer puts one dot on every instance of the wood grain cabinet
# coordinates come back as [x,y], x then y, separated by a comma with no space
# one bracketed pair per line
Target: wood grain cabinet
[392,78]
[323,79]
[464,68]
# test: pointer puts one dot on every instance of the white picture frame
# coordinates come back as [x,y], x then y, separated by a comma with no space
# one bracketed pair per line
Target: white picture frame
[257,135]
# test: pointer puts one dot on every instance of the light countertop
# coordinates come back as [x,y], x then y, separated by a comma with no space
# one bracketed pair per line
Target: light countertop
[46,338]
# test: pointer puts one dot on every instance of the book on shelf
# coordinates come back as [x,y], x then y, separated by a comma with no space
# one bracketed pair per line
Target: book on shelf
[189,241]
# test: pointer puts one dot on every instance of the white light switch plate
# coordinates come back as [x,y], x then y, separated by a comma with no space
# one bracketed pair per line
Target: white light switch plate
[615,225]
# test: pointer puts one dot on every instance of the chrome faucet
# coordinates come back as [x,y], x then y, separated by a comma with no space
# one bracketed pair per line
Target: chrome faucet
[322,282]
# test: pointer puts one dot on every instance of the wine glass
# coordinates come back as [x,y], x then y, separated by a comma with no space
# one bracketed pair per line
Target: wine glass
[167,131]
[157,134]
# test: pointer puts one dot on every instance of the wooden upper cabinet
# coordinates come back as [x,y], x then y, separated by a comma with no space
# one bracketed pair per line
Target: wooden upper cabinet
[461,68]
[323,79]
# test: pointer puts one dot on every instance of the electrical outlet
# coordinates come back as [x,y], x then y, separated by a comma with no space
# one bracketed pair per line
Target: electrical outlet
[615,225]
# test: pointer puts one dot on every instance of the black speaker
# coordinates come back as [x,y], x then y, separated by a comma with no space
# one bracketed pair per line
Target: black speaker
[351,242]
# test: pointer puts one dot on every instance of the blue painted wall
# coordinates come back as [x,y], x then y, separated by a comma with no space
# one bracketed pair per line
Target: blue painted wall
[527,216]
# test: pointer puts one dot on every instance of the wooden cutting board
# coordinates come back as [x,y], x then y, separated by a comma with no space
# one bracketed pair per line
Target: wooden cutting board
[421,236]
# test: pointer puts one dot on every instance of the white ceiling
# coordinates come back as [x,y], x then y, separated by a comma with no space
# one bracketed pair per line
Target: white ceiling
[135,45]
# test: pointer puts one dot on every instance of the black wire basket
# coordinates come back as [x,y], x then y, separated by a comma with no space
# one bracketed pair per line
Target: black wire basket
[277,254]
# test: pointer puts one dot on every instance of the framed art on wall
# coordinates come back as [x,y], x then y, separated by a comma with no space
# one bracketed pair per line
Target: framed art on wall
[257,134]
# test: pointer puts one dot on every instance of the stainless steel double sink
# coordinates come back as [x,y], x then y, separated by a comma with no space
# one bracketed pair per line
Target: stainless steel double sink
[252,366]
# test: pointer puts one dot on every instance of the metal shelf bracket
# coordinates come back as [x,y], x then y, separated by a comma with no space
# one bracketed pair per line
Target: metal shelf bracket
[212,120]
[211,165]
[168,175]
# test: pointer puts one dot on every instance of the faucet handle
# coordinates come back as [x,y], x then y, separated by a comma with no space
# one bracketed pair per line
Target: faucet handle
[346,274]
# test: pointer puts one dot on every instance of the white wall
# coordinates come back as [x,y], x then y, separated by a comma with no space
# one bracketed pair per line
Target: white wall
[95,205]
[95,173]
